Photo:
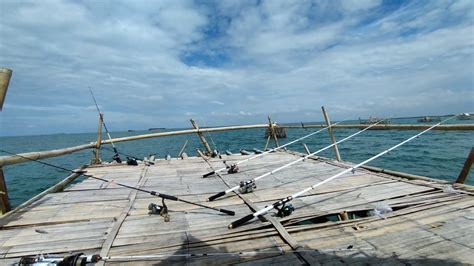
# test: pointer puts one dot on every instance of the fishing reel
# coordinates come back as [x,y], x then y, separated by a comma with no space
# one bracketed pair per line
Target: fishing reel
[161,210]
[285,210]
[132,161]
[247,186]
[117,158]
[72,260]
[231,169]
[216,153]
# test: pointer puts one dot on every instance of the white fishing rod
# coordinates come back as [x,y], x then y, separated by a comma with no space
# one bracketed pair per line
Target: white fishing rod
[285,212]
[116,155]
[269,151]
[249,185]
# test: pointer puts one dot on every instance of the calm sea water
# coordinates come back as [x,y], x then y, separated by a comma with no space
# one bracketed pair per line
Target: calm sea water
[437,154]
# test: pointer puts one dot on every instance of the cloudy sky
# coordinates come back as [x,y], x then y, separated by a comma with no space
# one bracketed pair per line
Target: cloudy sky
[160,63]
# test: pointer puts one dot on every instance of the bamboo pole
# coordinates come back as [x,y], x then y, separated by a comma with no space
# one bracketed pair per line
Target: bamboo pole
[184,132]
[467,166]
[268,142]
[201,137]
[4,202]
[273,132]
[5,75]
[97,159]
[182,149]
[392,126]
[8,160]
[331,134]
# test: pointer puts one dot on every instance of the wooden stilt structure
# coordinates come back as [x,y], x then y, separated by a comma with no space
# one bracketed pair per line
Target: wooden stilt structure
[201,137]
[331,134]
[466,168]
[97,159]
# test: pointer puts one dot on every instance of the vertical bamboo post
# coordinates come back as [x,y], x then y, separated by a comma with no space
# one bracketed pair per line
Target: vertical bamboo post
[467,166]
[99,140]
[5,75]
[266,144]
[201,137]
[273,132]
[4,202]
[331,134]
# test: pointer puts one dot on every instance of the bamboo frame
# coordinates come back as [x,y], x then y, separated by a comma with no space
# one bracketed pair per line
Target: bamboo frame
[201,137]
[331,134]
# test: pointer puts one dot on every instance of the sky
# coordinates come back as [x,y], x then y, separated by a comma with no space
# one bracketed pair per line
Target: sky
[161,63]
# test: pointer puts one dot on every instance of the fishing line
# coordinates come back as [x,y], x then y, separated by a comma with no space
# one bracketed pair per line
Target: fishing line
[250,185]
[151,192]
[124,154]
[273,150]
[285,210]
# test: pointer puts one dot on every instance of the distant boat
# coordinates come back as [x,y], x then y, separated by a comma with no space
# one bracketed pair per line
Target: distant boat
[373,120]
[155,128]
[131,130]
[465,116]
[428,119]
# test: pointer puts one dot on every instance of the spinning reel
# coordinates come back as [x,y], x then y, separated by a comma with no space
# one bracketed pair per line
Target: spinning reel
[285,210]
[231,169]
[161,210]
[247,186]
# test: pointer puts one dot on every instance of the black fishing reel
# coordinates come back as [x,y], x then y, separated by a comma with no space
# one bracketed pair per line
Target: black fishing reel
[247,187]
[161,210]
[285,210]
[117,158]
[231,169]
[132,161]
[216,153]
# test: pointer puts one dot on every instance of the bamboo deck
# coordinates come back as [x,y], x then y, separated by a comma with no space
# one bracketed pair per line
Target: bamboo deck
[427,226]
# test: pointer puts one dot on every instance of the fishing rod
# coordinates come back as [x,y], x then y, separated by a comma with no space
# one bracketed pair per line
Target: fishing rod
[151,192]
[233,166]
[127,155]
[82,259]
[116,155]
[249,185]
[285,210]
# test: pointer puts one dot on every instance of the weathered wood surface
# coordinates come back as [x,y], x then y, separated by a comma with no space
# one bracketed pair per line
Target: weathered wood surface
[428,225]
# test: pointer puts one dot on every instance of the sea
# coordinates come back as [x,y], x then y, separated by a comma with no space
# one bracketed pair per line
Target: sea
[436,154]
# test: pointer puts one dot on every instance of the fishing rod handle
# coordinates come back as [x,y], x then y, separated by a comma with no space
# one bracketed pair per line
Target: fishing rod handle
[208,174]
[231,213]
[218,195]
[164,196]
[241,221]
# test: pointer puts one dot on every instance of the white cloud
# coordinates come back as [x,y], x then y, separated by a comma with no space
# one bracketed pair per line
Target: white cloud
[217,102]
[172,58]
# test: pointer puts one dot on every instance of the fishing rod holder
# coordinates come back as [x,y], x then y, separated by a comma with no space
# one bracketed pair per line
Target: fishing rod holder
[161,210]
[247,186]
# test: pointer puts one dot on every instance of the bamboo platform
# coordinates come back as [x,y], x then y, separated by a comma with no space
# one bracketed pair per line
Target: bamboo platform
[429,223]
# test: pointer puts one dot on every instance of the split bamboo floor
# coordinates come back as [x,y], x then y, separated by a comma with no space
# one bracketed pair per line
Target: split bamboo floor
[429,223]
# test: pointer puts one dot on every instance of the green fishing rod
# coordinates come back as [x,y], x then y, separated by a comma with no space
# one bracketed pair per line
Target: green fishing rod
[151,192]
[116,155]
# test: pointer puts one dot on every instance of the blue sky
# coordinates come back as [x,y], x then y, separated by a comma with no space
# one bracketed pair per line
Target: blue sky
[160,63]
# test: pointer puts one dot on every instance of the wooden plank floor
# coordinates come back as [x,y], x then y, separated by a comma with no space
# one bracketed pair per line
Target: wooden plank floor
[427,225]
